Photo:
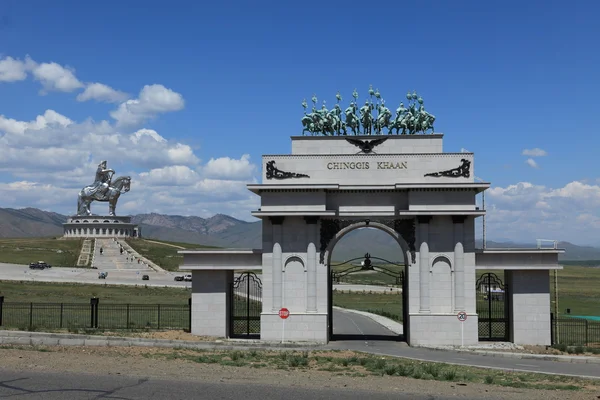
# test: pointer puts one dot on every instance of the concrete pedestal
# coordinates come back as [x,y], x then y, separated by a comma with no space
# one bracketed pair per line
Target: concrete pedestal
[99,226]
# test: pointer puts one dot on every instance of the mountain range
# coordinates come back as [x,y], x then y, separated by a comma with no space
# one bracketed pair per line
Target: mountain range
[225,231]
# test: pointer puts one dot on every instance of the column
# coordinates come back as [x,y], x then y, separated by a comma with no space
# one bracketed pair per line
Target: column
[277,266]
[424,264]
[459,263]
[311,263]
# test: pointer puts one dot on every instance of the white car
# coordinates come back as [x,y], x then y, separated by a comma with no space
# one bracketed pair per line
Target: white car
[187,278]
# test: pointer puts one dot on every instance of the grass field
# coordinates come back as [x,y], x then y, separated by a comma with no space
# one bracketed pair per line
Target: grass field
[387,275]
[578,290]
[56,252]
[164,254]
[40,292]
[37,305]
[388,305]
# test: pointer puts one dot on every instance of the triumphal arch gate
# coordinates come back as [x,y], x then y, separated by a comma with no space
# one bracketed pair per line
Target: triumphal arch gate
[366,167]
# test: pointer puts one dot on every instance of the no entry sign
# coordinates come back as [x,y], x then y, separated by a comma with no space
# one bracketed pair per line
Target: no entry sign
[284,313]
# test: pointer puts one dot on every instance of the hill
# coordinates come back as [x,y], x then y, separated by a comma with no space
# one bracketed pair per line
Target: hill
[225,231]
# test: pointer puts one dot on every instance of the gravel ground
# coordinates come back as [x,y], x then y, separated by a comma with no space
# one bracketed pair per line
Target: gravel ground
[145,362]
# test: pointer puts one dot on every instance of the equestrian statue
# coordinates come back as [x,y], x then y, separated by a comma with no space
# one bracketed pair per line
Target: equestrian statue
[104,189]
[408,121]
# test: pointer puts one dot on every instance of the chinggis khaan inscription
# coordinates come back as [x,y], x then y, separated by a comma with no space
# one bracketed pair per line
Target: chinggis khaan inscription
[368,165]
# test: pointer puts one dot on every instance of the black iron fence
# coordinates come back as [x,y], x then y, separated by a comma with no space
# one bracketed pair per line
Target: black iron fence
[95,315]
[575,331]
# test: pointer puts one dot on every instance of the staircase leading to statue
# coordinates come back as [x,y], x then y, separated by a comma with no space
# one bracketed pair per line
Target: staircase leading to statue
[111,257]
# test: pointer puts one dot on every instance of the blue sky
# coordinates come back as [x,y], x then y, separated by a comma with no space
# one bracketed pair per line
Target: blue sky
[500,78]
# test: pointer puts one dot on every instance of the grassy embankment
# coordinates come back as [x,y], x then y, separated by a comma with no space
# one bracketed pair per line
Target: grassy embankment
[163,254]
[43,292]
[56,252]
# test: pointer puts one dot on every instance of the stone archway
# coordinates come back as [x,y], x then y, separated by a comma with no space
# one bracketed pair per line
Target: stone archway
[403,232]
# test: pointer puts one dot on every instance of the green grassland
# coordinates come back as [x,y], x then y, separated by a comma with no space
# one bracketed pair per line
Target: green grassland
[388,305]
[42,292]
[164,254]
[56,252]
[578,289]
[383,275]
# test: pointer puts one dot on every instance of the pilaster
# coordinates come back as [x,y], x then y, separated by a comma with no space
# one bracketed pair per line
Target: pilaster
[277,266]
[459,263]
[311,261]
[424,304]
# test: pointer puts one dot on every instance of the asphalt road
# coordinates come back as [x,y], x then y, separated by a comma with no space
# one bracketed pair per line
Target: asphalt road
[351,326]
[399,349]
[69,386]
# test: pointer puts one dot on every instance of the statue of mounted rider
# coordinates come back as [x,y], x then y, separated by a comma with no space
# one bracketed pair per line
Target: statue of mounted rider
[411,120]
[104,189]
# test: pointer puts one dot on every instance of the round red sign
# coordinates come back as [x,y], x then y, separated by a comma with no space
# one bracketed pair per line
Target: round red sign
[284,313]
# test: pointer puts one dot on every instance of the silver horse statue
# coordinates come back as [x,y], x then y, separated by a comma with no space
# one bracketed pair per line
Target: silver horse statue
[104,189]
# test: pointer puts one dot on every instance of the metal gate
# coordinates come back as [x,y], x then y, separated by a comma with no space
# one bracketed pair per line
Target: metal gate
[492,308]
[246,306]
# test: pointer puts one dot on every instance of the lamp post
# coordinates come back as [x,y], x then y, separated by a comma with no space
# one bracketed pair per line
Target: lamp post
[485,212]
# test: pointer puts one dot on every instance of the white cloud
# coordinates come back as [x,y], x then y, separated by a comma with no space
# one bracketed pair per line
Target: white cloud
[55,77]
[536,152]
[525,212]
[103,93]
[532,163]
[152,100]
[49,118]
[12,70]
[227,168]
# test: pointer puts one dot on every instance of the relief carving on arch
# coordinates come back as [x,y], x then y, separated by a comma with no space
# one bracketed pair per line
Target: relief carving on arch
[404,227]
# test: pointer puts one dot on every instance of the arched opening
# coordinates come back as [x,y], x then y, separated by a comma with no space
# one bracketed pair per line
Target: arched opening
[368,283]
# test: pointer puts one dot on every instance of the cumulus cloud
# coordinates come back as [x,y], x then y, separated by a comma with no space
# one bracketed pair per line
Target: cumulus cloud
[12,70]
[55,77]
[532,163]
[536,152]
[227,168]
[152,100]
[102,93]
[525,212]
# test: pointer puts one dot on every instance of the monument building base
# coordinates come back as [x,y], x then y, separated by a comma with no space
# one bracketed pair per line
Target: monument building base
[98,226]
[442,330]
[298,327]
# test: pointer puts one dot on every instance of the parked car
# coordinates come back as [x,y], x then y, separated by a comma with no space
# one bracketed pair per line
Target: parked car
[179,278]
[187,278]
[102,275]
[145,278]
[39,265]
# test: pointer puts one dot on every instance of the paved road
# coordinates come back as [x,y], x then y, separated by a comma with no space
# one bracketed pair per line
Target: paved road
[112,258]
[350,326]
[360,333]
[399,349]
[116,276]
[40,385]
